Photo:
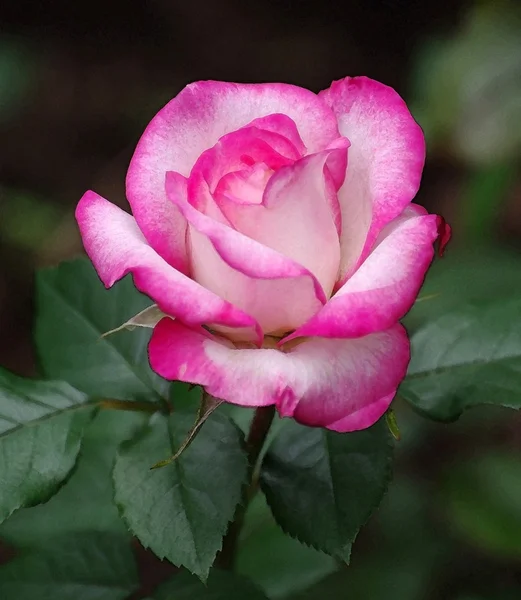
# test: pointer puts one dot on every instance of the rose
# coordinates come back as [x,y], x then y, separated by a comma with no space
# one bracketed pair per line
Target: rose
[276,227]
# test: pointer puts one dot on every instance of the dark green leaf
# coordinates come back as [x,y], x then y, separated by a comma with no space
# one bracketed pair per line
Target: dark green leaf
[181,511]
[221,585]
[74,311]
[85,503]
[207,405]
[41,427]
[323,486]
[467,356]
[276,562]
[75,568]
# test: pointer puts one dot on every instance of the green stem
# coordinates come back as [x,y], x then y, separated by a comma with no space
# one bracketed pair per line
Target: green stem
[259,429]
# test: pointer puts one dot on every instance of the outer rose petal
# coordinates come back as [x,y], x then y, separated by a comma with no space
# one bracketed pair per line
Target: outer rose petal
[295,217]
[161,223]
[116,247]
[386,160]
[344,385]
[278,292]
[385,287]
[193,122]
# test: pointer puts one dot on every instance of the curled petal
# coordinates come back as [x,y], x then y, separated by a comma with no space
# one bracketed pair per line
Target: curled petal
[277,291]
[344,385]
[385,287]
[230,167]
[296,217]
[193,122]
[242,187]
[116,247]
[284,126]
[241,149]
[386,160]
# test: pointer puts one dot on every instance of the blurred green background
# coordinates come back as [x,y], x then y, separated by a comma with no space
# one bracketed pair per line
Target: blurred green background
[78,83]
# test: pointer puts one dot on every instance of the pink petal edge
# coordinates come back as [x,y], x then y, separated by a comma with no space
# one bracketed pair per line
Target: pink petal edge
[194,121]
[296,217]
[386,160]
[385,287]
[116,247]
[272,288]
[344,385]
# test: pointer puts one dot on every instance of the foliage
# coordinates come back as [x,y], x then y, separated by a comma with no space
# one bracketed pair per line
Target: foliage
[70,464]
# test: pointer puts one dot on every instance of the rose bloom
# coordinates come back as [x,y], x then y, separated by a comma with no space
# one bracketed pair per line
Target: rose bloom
[274,229]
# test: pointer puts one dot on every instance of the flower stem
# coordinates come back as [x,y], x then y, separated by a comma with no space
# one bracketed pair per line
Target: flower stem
[259,428]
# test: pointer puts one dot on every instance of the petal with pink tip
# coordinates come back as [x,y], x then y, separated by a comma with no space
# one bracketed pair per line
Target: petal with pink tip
[385,287]
[193,122]
[350,383]
[231,162]
[116,247]
[284,126]
[160,222]
[242,149]
[295,217]
[344,385]
[274,289]
[386,160]
[370,414]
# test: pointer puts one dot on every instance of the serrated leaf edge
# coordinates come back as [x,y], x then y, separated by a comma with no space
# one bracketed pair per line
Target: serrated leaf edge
[386,480]
[204,573]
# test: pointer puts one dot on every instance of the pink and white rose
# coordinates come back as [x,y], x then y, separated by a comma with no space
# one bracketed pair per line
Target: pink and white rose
[275,229]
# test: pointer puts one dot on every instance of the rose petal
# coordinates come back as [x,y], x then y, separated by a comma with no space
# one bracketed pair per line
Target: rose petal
[337,161]
[386,159]
[295,217]
[284,126]
[227,167]
[232,159]
[385,287]
[116,247]
[193,122]
[243,187]
[343,385]
[162,225]
[277,291]
[242,149]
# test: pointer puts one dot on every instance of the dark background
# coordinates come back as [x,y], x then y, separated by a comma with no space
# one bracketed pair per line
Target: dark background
[80,80]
